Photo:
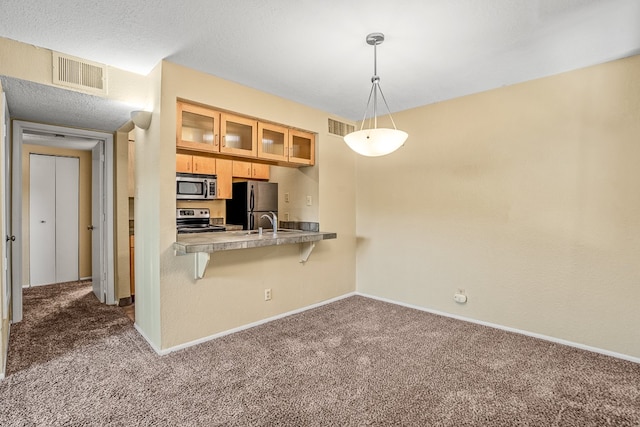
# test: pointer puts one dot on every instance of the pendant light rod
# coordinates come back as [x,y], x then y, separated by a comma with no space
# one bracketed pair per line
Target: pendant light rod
[374,39]
[374,142]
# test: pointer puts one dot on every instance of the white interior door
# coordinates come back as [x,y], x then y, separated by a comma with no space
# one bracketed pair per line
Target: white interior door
[53,219]
[67,208]
[98,221]
[42,220]
[5,145]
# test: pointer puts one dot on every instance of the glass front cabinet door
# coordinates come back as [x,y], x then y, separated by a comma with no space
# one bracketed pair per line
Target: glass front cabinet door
[238,135]
[198,128]
[273,142]
[302,147]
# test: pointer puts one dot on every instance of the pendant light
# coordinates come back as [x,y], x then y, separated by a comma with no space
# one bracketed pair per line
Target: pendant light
[375,141]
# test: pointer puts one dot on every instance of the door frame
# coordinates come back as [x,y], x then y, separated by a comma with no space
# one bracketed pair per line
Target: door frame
[106,193]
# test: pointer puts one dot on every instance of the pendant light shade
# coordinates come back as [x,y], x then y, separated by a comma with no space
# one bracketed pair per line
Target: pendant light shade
[375,141]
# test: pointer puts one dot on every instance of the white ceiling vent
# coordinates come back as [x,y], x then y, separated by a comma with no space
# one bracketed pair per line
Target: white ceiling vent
[339,128]
[79,74]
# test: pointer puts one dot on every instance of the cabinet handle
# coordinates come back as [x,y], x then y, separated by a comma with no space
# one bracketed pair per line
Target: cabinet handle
[216,143]
[224,141]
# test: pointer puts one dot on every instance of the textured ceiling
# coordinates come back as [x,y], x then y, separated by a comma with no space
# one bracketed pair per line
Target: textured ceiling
[314,52]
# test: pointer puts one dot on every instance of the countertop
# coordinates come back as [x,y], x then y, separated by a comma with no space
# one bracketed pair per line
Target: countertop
[243,239]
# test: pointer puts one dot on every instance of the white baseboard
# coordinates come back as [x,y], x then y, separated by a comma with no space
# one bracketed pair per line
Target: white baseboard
[509,329]
[146,338]
[165,351]
[4,360]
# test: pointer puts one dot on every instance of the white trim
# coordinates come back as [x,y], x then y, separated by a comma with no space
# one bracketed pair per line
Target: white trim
[146,338]
[240,328]
[18,128]
[508,329]
[4,364]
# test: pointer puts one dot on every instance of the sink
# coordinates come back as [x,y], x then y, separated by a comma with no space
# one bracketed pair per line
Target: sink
[267,231]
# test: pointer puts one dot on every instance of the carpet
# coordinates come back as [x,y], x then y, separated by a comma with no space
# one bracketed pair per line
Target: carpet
[355,362]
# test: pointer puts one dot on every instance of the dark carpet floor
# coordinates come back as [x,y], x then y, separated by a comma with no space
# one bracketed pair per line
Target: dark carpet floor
[355,362]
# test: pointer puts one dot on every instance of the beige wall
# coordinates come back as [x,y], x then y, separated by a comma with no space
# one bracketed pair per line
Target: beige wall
[84,216]
[526,197]
[232,293]
[32,63]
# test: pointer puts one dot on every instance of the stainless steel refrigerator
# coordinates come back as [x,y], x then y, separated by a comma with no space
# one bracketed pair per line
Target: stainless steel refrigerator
[251,200]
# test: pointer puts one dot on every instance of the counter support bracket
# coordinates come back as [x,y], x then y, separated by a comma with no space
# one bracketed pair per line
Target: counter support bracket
[201,261]
[305,250]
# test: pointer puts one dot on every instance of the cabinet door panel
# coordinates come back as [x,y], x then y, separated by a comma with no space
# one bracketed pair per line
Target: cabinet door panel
[241,169]
[197,128]
[204,165]
[238,135]
[260,171]
[224,173]
[273,142]
[184,163]
[301,147]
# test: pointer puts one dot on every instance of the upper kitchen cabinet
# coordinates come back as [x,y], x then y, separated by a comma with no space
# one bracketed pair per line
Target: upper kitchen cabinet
[285,145]
[198,128]
[273,142]
[238,135]
[302,147]
[187,163]
[250,170]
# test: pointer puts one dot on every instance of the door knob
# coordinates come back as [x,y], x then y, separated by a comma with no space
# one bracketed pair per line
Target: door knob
[12,238]
[90,227]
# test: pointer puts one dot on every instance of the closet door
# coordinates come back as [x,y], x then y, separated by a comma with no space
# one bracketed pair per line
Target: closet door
[66,245]
[42,220]
[53,219]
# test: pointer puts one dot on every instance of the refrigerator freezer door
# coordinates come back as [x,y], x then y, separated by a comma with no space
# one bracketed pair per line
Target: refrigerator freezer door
[265,196]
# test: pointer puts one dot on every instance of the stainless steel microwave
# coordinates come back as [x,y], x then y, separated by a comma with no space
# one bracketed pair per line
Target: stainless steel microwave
[191,186]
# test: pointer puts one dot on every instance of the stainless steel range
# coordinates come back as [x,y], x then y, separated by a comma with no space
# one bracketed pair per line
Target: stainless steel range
[195,220]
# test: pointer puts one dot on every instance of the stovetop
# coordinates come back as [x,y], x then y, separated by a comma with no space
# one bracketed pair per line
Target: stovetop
[192,220]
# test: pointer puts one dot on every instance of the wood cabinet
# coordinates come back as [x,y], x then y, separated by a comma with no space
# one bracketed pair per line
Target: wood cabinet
[250,170]
[197,128]
[273,142]
[187,163]
[225,178]
[302,147]
[285,145]
[222,168]
[238,135]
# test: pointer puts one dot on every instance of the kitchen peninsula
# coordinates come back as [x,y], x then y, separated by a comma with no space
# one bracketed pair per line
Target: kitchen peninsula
[203,244]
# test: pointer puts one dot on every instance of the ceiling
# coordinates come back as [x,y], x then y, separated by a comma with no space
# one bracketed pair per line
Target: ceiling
[314,52]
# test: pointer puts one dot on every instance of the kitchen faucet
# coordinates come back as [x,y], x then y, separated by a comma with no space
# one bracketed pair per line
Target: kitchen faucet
[273,219]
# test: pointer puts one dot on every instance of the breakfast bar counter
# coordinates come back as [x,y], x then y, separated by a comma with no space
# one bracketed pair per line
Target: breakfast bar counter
[204,244]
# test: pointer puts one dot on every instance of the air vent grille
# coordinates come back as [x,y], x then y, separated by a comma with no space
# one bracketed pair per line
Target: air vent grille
[79,74]
[339,128]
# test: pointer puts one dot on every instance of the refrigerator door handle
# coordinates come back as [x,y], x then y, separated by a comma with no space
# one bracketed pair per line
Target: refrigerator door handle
[251,200]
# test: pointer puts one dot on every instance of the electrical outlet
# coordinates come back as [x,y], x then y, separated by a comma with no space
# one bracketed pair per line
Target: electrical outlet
[309,201]
[267,294]
[286,216]
[286,197]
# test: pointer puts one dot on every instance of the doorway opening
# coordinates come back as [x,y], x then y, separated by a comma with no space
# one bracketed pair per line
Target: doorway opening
[99,148]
